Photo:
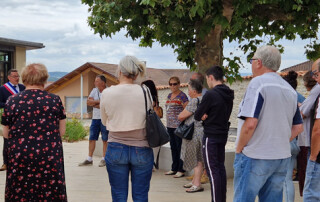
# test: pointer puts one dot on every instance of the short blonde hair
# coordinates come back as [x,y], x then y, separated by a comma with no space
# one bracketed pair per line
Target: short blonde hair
[34,74]
[131,67]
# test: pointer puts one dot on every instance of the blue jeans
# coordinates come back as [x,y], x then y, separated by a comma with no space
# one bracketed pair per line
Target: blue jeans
[258,177]
[95,129]
[288,187]
[311,191]
[120,160]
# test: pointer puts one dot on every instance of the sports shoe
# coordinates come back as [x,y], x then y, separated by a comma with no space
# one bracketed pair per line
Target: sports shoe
[3,167]
[102,163]
[86,163]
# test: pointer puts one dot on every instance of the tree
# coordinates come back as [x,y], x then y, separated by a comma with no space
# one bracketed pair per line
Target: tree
[195,29]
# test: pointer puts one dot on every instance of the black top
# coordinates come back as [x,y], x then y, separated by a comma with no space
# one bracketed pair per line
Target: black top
[313,118]
[4,94]
[217,103]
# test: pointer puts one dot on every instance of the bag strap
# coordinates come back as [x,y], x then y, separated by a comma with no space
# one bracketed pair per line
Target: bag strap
[156,164]
[145,99]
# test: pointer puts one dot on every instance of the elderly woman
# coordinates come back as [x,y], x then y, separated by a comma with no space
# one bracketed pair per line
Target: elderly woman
[123,112]
[191,150]
[176,102]
[34,121]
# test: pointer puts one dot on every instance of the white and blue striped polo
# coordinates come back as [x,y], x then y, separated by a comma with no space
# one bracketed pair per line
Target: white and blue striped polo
[273,102]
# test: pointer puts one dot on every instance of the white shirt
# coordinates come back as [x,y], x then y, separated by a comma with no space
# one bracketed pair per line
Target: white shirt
[95,94]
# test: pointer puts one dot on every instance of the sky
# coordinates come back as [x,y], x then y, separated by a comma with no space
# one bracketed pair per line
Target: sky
[61,25]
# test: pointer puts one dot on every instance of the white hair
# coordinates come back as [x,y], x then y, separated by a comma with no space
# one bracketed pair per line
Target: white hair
[131,67]
[270,57]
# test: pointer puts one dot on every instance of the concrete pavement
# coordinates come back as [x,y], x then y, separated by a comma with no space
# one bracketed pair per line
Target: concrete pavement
[86,184]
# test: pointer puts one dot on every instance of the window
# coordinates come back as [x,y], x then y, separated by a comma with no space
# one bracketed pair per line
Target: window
[5,65]
[73,105]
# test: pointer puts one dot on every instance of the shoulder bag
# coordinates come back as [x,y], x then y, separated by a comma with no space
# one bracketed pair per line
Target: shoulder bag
[185,131]
[157,133]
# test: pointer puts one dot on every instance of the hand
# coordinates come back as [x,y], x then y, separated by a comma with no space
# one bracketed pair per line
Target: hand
[313,158]
[238,150]
[204,117]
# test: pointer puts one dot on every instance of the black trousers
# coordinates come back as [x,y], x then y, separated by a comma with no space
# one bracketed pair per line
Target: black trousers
[5,151]
[175,144]
[214,157]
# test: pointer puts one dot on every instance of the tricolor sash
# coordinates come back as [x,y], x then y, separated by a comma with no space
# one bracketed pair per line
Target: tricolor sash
[10,88]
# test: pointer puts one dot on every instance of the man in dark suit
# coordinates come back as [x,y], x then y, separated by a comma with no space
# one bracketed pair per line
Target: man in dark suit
[10,88]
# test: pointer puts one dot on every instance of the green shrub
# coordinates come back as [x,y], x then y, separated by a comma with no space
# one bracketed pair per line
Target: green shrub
[75,131]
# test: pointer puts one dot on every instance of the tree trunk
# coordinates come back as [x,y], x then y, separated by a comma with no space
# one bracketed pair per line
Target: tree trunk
[209,51]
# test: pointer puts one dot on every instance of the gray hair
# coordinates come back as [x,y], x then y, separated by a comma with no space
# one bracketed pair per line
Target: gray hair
[196,85]
[269,56]
[131,67]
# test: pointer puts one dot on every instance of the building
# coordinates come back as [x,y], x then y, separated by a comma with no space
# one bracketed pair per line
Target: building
[13,55]
[80,82]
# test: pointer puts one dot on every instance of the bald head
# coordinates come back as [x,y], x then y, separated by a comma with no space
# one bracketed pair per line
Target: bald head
[197,76]
[316,65]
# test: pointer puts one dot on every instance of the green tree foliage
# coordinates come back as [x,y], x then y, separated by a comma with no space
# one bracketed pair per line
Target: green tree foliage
[195,29]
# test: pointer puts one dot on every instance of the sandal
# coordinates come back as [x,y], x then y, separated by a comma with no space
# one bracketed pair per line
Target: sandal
[178,175]
[188,185]
[170,172]
[194,189]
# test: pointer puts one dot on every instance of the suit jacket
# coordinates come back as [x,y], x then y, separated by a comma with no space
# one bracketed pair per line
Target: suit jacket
[5,94]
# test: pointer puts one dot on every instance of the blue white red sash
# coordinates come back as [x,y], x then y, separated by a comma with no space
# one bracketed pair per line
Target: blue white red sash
[10,88]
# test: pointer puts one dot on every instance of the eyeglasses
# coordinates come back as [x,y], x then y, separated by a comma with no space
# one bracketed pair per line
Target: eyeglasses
[252,59]
[173,84]
[15,76]
[314,73]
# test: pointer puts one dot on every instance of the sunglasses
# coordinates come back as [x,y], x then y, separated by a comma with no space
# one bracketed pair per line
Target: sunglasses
[314,73]
[252,59]
[173,84]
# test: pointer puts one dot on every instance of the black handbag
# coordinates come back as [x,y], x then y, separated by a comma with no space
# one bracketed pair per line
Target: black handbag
[185,131]
[157,133]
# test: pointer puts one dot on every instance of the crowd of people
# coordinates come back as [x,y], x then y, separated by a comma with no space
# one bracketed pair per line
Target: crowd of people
[278,130]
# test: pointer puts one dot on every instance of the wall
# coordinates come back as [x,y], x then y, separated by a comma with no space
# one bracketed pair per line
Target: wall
[239,88]
[19,59]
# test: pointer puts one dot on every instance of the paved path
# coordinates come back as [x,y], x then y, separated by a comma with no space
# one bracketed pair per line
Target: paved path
[91,183]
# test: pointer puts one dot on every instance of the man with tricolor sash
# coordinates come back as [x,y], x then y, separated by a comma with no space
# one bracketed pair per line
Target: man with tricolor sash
[10,88]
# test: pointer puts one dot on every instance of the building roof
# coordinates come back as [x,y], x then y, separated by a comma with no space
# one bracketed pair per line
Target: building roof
[159,76]
[27,44]
[305,66]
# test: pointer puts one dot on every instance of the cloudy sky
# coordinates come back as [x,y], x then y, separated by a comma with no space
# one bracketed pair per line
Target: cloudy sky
[61,25]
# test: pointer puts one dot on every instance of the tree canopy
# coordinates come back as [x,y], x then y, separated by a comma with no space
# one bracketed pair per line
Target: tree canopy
[195,29]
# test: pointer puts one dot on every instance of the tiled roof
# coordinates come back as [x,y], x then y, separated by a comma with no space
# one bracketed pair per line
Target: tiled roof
[305,66]
[159,76]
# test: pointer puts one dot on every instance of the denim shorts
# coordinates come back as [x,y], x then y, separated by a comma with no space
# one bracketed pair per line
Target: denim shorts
[95,129]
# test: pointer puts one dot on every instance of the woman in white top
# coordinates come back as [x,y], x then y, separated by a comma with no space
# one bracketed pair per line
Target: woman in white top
[123,112]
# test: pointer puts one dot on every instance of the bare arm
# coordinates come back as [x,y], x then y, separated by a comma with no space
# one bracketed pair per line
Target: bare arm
[246,133]
[93,103]
[295,131]
[62,127]
[184,115]
[315,140]
[5,131]
[185,104]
